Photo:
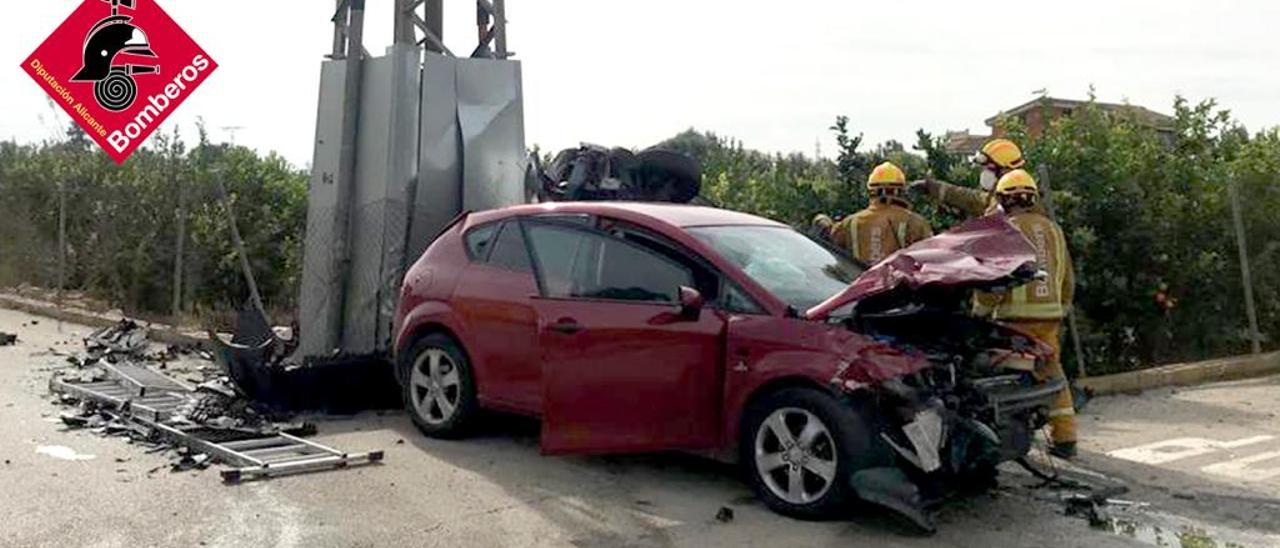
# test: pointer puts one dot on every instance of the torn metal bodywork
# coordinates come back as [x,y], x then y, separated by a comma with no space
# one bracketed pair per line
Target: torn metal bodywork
[984,253]
[953,396]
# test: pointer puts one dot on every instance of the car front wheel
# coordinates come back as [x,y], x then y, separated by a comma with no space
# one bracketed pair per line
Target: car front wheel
[439,388]
[800,446]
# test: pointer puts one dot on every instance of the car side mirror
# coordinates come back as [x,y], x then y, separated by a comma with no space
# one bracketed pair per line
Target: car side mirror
[691,303]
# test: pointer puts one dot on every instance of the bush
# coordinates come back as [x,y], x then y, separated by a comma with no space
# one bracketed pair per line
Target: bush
[1148,218]
[122,221]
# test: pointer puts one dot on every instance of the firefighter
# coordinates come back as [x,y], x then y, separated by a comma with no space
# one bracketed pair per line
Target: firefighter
[1038,307]
[997,157]
[885,226]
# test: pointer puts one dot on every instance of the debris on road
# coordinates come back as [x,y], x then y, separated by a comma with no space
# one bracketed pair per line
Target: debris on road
[725,515]
[259,362]
[7,339]
[210,421]
[125,338]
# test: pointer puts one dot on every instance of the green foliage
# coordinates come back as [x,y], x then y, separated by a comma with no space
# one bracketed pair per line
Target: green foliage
[1143,210]
[122,221]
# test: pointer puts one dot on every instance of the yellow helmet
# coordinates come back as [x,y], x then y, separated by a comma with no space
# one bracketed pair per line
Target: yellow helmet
[1017,182]
[1001,152]
[886,175]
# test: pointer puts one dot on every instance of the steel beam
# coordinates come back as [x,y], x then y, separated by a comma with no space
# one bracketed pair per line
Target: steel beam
[435,23]
[339,30]
[500,28]
[346,171]
[430,39]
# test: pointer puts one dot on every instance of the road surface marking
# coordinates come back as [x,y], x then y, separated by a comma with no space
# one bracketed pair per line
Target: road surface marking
[1242,468]
[1167,451]
[62,452]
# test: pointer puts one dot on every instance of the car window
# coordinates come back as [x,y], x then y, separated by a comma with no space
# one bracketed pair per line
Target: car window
[509,251]
[479,240]
[575,263]
[789,265]
[706,279]
[556,250]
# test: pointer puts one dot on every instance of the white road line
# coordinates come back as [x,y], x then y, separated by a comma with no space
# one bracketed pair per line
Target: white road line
[1162,452]
[1243,469]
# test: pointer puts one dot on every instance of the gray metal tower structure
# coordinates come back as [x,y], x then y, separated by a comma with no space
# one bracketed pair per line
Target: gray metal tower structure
[404,142]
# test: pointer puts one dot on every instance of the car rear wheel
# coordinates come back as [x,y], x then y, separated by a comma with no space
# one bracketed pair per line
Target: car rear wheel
[800,446]
[439,388]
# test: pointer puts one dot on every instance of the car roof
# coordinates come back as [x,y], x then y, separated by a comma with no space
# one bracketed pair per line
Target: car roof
[679,215]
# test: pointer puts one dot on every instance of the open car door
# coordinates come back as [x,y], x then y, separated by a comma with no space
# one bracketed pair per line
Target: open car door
[624,366]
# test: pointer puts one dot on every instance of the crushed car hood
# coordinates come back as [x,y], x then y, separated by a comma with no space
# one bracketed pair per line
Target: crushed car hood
[984,252]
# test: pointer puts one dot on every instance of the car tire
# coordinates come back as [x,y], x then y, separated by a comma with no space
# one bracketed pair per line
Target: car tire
[841,446]
[439,387]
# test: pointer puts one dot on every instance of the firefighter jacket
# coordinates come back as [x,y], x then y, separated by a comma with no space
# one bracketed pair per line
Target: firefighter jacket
[879,230]
[1043,299]
[971,202]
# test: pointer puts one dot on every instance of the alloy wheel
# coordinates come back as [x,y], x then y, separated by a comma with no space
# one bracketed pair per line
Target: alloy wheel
[435,385]
[795,455]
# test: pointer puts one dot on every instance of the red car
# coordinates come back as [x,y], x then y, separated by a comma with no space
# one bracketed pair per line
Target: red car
[632,327]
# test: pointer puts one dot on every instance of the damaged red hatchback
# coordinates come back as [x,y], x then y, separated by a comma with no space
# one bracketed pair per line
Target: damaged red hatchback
[642,327]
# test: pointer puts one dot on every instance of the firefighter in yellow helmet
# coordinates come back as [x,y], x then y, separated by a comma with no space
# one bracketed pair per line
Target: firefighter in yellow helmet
[1038,307]
[997,157]
[885,226]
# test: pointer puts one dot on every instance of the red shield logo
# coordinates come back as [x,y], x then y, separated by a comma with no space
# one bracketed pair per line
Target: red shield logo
[119,68]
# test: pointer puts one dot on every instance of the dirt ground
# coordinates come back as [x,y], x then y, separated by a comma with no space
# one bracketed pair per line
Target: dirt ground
[74,488]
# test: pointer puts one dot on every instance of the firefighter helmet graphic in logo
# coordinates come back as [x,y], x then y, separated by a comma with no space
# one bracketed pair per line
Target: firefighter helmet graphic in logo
[119,70]
[114,87]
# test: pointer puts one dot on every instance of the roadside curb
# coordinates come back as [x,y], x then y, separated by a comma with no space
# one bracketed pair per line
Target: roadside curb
[1184,374]
[157,332]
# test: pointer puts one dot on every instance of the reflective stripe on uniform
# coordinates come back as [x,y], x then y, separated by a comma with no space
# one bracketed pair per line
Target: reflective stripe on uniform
[1063,412]
[1030,311]
[902,235]
[853,239]
[1018,304]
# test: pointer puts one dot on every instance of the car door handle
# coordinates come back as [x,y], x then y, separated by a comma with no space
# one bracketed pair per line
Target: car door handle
[566,326]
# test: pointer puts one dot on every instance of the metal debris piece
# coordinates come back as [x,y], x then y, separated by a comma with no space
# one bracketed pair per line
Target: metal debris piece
[725,515]
[126,338]
[146,405]
[190,462]
[76,420]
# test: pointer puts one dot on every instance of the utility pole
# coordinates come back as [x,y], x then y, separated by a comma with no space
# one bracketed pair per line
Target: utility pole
[1255,336]
[62,239]
[180,244]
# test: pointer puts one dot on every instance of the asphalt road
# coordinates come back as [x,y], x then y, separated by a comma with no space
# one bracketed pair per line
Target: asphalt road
[74,488]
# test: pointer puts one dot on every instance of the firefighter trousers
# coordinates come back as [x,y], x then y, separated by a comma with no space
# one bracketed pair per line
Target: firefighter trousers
[1062,413]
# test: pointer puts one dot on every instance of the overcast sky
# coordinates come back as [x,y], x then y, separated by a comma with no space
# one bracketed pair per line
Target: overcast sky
[773,74]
